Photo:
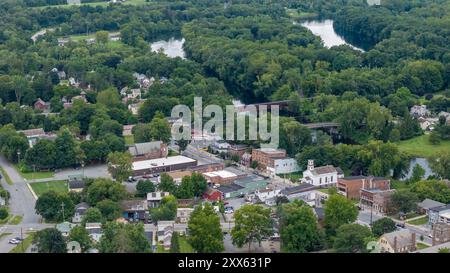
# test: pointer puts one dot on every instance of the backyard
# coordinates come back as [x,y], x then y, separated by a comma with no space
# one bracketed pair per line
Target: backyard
[421,147]
[40,188]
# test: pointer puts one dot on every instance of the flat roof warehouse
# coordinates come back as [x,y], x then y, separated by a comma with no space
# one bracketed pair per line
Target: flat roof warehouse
[159,162]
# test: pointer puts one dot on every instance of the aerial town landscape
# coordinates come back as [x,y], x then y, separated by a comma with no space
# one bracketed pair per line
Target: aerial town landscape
[355,94]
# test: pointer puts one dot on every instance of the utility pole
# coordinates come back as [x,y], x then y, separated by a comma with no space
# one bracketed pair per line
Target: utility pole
[62,206]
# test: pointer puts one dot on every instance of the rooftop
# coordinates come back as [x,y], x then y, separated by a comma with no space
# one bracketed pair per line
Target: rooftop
[158,162]
[144,148]
[229,188]
[404,238]
[298,189]
[324,170]
[428,204]
[133,205]
[221,174]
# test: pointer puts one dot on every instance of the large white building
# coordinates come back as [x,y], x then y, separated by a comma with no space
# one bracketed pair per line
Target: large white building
[321,176]
[283,166]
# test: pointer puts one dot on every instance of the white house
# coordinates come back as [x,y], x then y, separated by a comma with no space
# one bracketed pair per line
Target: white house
[154,198]
[267,196]
[220,146]
[283,166]
[183,214]
[95,231]
[321,176]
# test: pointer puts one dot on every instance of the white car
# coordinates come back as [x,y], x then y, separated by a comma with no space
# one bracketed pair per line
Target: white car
[14,241]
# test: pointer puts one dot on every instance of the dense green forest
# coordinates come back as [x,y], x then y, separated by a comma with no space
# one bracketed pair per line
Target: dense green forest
[244,49]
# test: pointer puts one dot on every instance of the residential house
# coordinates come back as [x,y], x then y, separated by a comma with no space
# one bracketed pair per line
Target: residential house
[80,210]
[267,196]
[446,115]
[154,198]
[351,186]
[76,185]
[428,204]
[95,231]
[41,105]
[419,111]
[34,135]
[135,210]
[148,150]
[377,200]
[65,228]
[164,233]
[402,241]
[212,195]
[324,176]
[134,107]
[183,214]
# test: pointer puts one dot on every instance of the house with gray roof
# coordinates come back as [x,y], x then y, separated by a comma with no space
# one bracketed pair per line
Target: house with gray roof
[428,204]
[148,150]
[402,241]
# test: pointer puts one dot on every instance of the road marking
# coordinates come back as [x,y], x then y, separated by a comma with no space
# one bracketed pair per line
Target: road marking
[32,192]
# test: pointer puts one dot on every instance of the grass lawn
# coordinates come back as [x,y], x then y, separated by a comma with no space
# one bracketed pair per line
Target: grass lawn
[35,175]
[16,220]
[26,243]
[421,147]
[160,249]
[6,176]
[292,176]
[419,221]
[129,140]
[185,247]
[40,188]
[421,246]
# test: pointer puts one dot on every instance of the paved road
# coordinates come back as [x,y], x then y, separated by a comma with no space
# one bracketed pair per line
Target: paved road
[21,203]
[201,156]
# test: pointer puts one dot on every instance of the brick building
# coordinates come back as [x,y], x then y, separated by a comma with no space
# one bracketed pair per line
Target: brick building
[377,200]
[350,186]
[265,156]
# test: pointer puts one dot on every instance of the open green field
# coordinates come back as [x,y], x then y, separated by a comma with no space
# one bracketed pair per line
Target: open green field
[6,176]
[421,147]
[99,3]
[34,175]
[299,15]
[40,188]
[22,247]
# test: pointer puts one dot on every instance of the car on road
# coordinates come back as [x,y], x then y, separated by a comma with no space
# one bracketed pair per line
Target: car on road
[131,179]
[400,225]
[14,241]
[147,176]
[430,235]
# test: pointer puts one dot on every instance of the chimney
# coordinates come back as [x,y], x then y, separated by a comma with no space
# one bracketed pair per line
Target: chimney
[395,244]
[413,241]
[310,164]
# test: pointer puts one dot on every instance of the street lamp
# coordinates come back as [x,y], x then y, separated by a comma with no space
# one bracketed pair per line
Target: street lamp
[18,156]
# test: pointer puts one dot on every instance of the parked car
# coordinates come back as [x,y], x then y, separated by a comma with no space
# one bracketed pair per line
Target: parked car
[131,179]
[400,225]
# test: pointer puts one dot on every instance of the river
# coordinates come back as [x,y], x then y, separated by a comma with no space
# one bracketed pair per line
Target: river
[172,48]
[422,163]
[324,29]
